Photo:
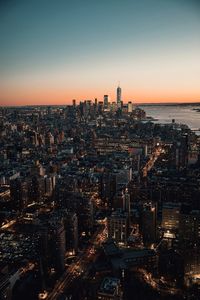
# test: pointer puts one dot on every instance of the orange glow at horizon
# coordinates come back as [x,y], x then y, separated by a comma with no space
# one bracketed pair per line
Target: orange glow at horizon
[52,54]
[63,97]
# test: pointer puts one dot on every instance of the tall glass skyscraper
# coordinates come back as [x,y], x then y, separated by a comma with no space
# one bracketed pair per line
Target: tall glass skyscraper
[119,96]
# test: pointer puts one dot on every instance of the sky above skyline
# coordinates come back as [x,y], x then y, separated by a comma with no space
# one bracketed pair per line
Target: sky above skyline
[54,51]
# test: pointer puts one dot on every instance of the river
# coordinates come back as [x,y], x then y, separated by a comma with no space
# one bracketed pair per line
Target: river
[184,114]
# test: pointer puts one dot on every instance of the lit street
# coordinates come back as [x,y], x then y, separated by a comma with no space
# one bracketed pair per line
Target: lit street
[79,266]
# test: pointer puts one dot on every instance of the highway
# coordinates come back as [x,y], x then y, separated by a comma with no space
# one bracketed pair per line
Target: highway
[79,266]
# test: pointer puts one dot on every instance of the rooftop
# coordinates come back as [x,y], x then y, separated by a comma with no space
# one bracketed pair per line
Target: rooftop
[109,285]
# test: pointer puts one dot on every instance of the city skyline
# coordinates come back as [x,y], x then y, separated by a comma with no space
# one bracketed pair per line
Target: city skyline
[52,53]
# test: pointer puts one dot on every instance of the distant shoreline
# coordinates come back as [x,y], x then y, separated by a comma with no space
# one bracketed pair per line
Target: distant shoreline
[135,103]
[170,104]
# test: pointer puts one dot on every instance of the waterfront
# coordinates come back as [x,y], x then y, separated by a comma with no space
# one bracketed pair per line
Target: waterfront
[184,114]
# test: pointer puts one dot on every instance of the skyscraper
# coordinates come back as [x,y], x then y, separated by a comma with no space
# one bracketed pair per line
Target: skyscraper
[52,246]
[119,97]
[148,222]
[19,193]
[118,226]
[105,101]
[71,229]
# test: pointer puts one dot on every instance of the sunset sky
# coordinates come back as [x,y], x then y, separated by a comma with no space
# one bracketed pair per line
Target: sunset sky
[53,51]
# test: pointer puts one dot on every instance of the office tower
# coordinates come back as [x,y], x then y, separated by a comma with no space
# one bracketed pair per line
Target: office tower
[105,101]
[108,188]
[19,193]
[118,226]
[74,102]
[71,230]
[130,107]
[50,183]
[184,150]
[57,245]
[100,107]
[170,219]
[34,190]
[59,232]
[88,104]
[148,223]
[119,97]
[52,247]
[189,228]
[181,152]
[105,186]
[43,250]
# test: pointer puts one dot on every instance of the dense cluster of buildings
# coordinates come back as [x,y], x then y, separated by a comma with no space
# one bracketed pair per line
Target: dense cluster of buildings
[97,193]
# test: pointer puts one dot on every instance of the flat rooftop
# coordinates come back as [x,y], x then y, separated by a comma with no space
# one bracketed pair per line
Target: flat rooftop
[109,285]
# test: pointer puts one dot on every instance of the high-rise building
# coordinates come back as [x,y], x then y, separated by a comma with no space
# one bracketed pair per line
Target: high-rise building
[181,152]
[49,184]
[52,246]
[57,244]
[105,101]
[119,97]
[19,193]
[59,238]
[71,229]
[118,226]
[189,228]
[170,218]
[34,191]
[130,107]
[148,222]
[100,107]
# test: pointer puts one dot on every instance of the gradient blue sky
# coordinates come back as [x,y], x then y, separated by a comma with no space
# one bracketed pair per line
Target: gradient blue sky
[55,50]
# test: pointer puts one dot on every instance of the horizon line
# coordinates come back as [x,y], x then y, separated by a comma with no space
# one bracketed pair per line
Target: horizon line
[136,103]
